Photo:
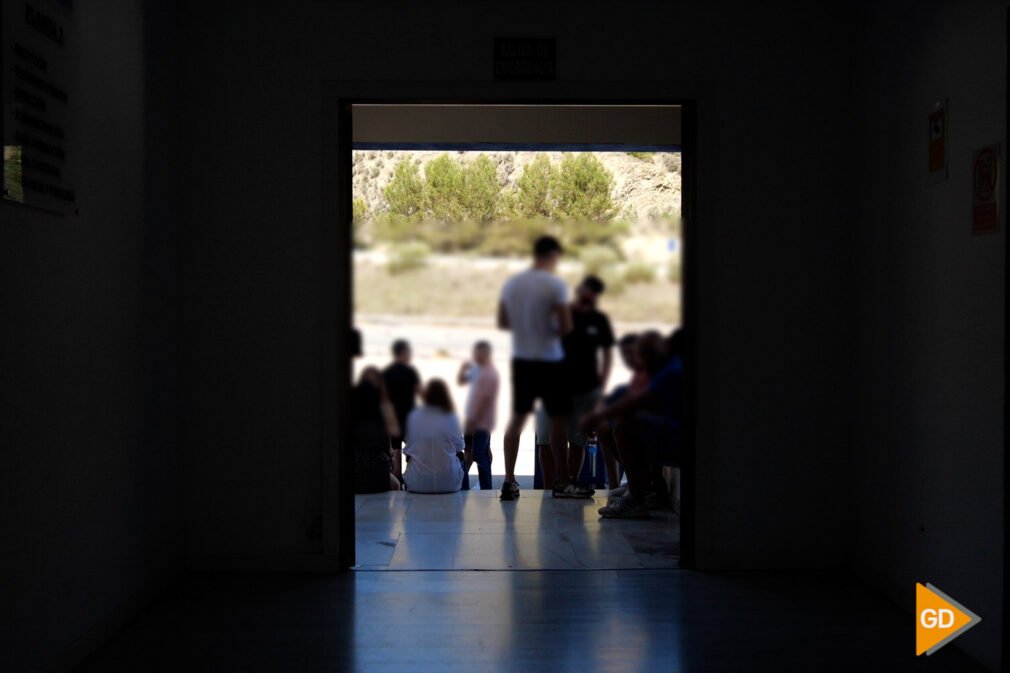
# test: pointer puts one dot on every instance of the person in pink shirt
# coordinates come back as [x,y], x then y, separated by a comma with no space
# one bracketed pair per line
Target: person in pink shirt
[482,377]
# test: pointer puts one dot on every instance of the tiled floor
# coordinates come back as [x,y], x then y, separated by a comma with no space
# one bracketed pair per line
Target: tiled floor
[567,621]
[473,530]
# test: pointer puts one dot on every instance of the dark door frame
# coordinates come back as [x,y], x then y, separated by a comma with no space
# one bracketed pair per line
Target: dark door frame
[1005,626]
[337,275]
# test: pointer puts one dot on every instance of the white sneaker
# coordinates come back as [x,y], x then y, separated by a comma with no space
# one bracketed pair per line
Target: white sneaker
[617,492]
[573,491]
[625,508]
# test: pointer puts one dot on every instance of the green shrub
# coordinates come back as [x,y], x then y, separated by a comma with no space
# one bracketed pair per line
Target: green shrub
[581,234]
[457,199]
[582,188]
[449,236]
[639,272]
[598,260]
[671,161]
[359,209]
[481,191]
[390,227]
[405,191]
[459,205]
[514,237]
[644,156]
[443,190]
[533,189]
[407,257]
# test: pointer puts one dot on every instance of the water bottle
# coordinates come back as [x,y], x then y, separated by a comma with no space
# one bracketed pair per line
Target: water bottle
[592,444]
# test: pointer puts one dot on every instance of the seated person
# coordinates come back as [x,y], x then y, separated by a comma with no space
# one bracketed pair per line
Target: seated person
[646,426]
[434,443]
[374,424]
[628,348]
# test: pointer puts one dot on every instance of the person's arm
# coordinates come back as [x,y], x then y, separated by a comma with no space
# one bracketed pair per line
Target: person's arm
[463,377]
[562,311]
[503,316]
[564,316]
[607,343]
[628,404]
[389,416]
[606,366]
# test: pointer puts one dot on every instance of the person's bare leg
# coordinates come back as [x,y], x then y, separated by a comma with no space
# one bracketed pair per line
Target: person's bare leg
[512,435]
[547,465]
[398,464]
[635,463]
[559,446]
[576,456]
[609,451]
[394,483]
[607,443]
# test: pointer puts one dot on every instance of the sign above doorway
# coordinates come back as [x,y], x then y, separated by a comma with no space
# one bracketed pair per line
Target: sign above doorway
[524,58]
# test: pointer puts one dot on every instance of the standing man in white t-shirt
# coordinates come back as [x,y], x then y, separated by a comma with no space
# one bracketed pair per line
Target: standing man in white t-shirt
[534,308]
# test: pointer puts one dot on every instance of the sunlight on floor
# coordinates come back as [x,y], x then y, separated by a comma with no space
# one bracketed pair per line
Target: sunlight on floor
[473,530]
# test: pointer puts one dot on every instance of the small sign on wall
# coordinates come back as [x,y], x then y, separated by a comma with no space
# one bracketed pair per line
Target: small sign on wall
[985,179]
[938,142]
[37,72]
[524,58]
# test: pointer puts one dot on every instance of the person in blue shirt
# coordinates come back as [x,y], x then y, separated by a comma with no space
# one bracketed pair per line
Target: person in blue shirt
[646,426]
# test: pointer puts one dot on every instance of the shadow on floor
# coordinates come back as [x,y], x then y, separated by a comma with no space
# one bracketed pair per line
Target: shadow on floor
[474,622]
[474,530]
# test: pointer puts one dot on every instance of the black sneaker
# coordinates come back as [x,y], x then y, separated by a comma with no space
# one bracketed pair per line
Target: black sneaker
[509,490]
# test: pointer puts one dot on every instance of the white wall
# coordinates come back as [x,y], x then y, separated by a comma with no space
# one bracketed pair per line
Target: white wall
[774,247]
[88,473]
[928,419]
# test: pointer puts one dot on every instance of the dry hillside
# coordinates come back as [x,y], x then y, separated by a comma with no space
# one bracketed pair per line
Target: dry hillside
[646,185]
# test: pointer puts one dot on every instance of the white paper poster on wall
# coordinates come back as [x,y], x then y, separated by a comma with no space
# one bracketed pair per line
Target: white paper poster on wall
[985,191]
[37,62]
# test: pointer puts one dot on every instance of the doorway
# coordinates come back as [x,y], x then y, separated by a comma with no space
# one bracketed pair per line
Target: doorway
[400,269]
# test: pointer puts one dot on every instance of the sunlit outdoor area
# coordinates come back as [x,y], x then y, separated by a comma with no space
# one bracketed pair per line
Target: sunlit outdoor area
[438,233]
[13,188]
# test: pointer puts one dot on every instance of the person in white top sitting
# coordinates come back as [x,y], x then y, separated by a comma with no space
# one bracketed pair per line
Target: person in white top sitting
[434,443]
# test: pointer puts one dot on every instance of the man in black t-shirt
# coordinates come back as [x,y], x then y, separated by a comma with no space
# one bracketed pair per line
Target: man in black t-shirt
[588,360]
[403,384]
[588,347]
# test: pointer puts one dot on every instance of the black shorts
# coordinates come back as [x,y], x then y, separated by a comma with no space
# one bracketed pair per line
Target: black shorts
[543,380]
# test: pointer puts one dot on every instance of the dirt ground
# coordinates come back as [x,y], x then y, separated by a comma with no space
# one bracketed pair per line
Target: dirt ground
[462,288]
